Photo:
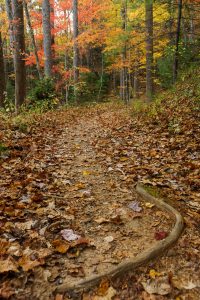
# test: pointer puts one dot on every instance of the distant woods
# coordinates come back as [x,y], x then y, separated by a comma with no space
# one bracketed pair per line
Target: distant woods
[81,50]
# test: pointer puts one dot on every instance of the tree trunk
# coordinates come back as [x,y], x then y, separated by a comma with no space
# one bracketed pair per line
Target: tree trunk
[192,23]
[2,77]
[52,18]
[178,32]
[32,38]
[46,21]
[75,47]
[67,58]
[124,72]
[171,22]
[10,19]
[149,48]
[135,82]
[19,51]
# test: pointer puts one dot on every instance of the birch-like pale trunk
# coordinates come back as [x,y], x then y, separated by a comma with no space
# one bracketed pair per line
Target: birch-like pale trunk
[28,19]
[19,53]
[149,48]
[46,22]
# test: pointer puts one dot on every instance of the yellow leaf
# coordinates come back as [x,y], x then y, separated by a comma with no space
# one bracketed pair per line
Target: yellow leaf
[153,273]
[149,205]
[124,158]
[86,173]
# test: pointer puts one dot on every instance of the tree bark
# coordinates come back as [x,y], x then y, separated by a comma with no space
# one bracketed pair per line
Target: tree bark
[19,53]
[2,77]
[149,48]
[46,21]
[135,82]
[124,71]
[10,19]
[52,18]
[32,38]
[75,47]
[178,32]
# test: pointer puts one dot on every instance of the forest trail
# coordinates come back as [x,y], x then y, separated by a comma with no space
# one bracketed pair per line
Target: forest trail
[72,175]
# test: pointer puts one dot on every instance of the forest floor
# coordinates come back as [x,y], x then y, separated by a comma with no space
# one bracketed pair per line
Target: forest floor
[69,207]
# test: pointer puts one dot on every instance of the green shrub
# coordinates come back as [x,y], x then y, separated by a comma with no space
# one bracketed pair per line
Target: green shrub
[42,97]
[92,87]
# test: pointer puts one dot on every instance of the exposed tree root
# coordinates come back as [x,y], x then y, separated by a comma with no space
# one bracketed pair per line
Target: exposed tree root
[140,259]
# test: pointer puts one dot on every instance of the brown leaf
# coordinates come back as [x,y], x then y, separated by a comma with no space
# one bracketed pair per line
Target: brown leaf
[116,220]
[8,264]
[4,245]
[103,287]
[27,263]
[61,246]
[6,290]
[76,271]
[59,297]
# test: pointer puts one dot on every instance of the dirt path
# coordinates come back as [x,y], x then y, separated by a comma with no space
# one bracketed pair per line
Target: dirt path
[69,210]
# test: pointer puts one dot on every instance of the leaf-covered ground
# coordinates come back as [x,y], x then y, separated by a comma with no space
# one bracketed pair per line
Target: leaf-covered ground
[68,206]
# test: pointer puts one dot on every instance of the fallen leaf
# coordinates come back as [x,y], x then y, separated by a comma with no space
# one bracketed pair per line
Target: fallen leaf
[135,206]
[6,290]
[109,239]
[111,292]
[160,235]
[61,246]
[59,297]
[8,264]
[158,286]
[4,245]
[116,219]
[101,220]
[153,273]
[69,235]
[186,280]
[28,263]
[76,271]
[86,173]
[149,205]
[103,287]
[82,242]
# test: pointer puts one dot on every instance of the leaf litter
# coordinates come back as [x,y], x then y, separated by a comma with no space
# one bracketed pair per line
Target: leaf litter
[63,214]
[43,193]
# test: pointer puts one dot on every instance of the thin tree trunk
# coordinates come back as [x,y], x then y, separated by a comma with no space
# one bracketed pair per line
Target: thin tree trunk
[191,35]
[124,72]
[9,43]
[66,59]
[149,48]
[19,51]
[171,21]
[52,17]
[114,82]
[135,82]
[2,77]
[10,19]
[178,32]
[47,37]
[32,38]
[75,47]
